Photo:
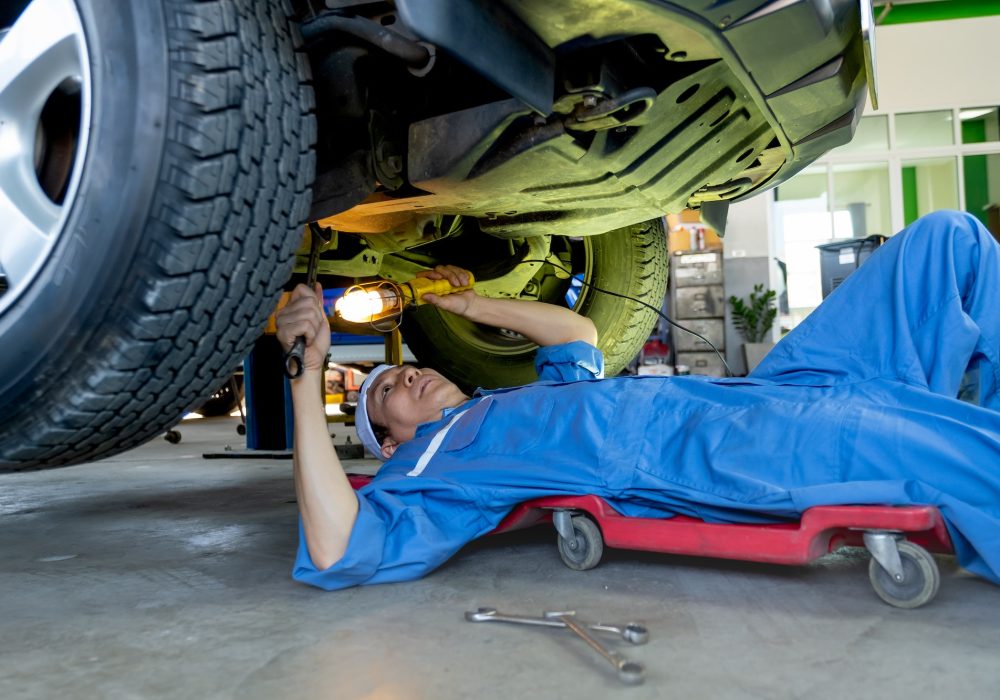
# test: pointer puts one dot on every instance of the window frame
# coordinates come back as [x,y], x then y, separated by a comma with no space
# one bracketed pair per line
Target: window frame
[895,157]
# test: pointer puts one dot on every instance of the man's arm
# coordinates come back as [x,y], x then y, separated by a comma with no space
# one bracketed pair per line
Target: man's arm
[541,323]
[327,502]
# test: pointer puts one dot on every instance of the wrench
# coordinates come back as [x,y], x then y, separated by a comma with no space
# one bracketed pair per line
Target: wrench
[293,358]
[629,672]
[633,632]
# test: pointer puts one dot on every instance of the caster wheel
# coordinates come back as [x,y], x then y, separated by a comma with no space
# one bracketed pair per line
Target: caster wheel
[921,578]
[241,429]
[584,551]
[172,436]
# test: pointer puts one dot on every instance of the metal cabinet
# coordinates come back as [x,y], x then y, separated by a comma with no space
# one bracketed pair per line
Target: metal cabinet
[698,302]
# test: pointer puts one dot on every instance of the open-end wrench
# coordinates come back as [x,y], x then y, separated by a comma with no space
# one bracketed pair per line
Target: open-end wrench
[630,672]
[633,632]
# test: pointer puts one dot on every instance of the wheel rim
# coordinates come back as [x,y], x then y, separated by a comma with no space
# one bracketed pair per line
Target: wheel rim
[920,578]
[910,587]
[498,341]
[576,549]
[45,108]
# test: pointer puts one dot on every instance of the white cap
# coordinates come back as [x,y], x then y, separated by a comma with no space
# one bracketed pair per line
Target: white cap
[361,420]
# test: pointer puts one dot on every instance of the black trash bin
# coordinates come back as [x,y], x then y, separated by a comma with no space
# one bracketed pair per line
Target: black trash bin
[840,258]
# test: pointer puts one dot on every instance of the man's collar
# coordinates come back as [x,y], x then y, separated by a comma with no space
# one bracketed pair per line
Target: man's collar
[432,426]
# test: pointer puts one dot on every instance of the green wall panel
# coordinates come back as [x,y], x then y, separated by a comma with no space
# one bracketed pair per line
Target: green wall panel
[934,11]
[910,207]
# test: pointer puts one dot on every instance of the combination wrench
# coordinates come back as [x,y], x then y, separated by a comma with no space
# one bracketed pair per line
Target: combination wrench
[633,632]
[629,672]
[318,236]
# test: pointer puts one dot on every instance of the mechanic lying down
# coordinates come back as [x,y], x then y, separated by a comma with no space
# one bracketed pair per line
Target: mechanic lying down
[855,406]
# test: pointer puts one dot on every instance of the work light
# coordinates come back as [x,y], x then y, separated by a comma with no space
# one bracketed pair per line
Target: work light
[372,301]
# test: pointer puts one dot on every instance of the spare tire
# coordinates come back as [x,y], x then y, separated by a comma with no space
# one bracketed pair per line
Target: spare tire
[152,217]
[631,261]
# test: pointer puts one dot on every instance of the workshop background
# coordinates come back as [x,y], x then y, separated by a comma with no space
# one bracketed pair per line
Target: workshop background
[932,144]
[160,573]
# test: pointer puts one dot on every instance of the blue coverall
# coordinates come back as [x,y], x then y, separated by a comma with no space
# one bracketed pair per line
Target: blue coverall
[855,406]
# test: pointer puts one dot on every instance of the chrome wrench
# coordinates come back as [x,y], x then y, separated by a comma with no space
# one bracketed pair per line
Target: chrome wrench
[294,357]
[630,672]
[633,632]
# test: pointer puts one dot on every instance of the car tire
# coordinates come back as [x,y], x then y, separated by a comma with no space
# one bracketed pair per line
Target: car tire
[631,261]
[177,233]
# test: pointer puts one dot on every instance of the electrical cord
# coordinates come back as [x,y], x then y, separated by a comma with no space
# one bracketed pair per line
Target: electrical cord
[729,371]
[658,312]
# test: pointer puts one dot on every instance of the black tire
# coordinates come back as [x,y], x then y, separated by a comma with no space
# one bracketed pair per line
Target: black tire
[631,261]
[586,548]
[195,182]
[224,401]
[921,578]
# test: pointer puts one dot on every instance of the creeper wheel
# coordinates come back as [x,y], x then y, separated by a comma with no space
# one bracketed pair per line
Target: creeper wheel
[584,550]
[920,582]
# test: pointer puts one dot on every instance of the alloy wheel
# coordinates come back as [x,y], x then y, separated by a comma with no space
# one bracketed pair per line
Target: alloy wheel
[45,104]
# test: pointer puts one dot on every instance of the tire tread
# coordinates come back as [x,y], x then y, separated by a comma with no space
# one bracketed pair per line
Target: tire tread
[216,249]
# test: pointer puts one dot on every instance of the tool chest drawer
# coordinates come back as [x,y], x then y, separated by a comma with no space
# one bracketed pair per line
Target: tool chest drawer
[707,363]
[712,328]
[692,269]
[700,302]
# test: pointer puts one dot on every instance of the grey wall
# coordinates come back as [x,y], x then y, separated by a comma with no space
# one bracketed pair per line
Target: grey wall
[746,261]
[930,65]
[741,274]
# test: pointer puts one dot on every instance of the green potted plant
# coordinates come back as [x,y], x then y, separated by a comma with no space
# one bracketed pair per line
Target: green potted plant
[753,319]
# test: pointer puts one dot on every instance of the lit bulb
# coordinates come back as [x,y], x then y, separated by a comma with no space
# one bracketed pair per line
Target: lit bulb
[372,301]
[359,305]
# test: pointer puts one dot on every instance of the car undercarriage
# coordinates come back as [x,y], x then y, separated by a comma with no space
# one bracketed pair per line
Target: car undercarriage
[163,158]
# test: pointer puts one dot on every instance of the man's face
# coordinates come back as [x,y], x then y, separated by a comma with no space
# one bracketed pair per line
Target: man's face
[404,397]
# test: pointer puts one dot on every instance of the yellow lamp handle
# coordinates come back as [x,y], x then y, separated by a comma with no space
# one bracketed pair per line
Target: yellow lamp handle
[418,286]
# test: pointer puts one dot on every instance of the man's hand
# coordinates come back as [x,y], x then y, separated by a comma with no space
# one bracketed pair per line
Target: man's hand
[304,315]
[460,303]
[541,323]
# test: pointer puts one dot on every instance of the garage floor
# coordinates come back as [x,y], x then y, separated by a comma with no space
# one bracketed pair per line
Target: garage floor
[160,574]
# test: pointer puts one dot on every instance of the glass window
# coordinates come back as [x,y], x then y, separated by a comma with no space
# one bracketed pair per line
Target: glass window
[808,184]
[929,184]
[802,262]
[982,189]
[802,220]
[861,200]
[872,134]
[922,129]
[979,124]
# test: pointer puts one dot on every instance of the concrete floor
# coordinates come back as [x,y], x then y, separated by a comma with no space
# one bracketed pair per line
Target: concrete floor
[158,574]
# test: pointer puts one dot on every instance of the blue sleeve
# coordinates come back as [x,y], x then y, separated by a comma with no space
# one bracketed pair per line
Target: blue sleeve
[397,536]
[569,362]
